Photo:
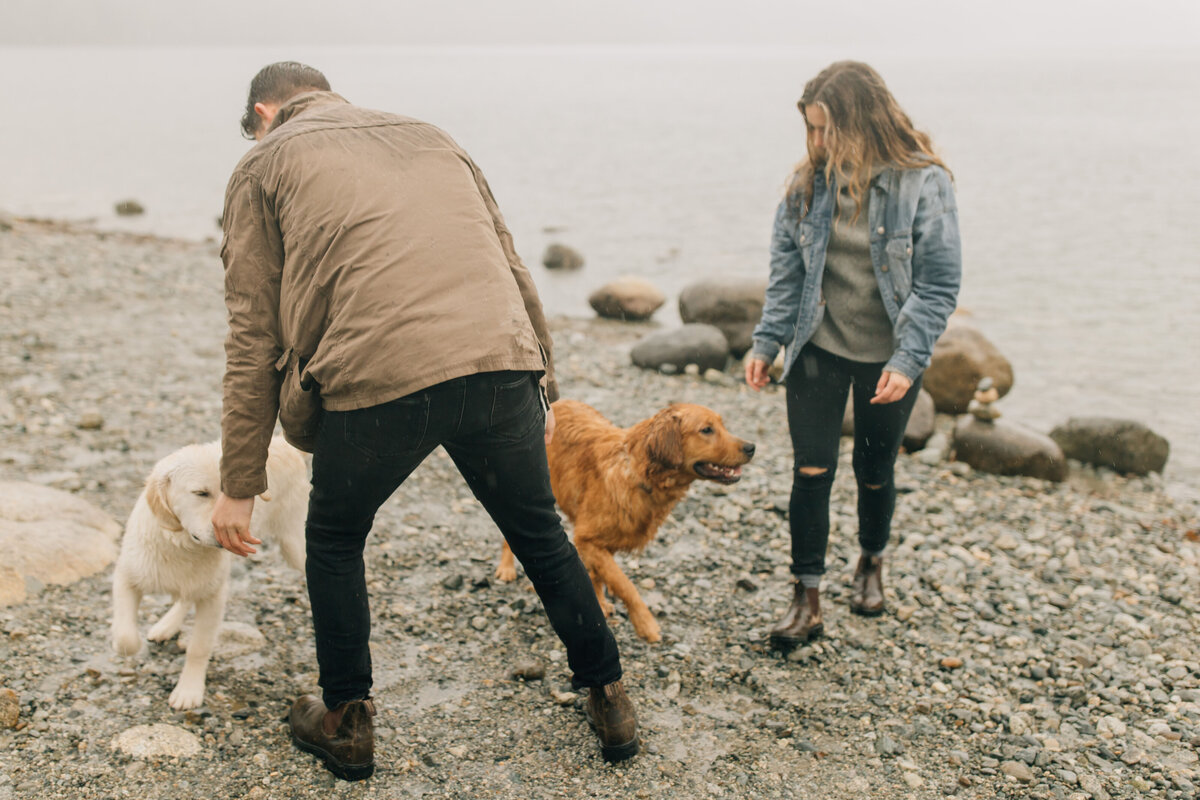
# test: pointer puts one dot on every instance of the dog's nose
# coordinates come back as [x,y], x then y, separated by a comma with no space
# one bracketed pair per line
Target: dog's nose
[748,449]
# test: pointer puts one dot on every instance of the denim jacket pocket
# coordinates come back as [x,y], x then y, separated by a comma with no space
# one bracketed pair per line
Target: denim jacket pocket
[899,253]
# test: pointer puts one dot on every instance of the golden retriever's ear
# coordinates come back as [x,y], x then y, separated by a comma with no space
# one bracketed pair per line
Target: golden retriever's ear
[156,498]
[664,444]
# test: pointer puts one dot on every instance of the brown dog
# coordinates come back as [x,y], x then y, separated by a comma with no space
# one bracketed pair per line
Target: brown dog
[617,485]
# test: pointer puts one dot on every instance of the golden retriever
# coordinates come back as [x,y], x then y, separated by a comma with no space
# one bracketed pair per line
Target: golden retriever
[617,485]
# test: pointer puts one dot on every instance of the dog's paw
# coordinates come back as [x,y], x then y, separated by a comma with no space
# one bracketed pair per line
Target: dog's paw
[608,608]
[185,696]
[162,631]
[646,628]
[126,643]
[506,574]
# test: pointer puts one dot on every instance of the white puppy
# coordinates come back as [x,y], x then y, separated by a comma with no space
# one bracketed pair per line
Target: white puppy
[170,548]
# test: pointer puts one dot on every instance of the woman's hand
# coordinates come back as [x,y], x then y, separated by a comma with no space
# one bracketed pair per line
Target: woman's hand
[756,373]
[891,387]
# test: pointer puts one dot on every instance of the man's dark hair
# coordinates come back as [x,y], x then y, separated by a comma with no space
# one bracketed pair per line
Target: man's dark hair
[278,83]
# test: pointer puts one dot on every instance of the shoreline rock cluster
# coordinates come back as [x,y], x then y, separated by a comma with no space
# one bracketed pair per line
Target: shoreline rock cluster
[1040,639]
[719,317]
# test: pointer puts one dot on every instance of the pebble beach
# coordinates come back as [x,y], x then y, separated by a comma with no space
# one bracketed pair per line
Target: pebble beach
[1041,639]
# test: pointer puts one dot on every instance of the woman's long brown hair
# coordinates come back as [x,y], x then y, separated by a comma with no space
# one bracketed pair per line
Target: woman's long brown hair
[865,129]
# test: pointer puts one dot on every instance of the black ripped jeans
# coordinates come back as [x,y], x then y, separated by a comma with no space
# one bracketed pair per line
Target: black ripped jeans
[492,425]
[817,387]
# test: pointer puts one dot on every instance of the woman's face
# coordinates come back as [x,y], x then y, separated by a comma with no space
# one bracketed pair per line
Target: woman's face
[816,120]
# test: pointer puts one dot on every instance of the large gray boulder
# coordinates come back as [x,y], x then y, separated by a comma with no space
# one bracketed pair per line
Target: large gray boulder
[559,256]
[627,298]
[961,357]
[702,345]
[50,537]
[1007,448]
[734,306]
[920,425]
[1121,444]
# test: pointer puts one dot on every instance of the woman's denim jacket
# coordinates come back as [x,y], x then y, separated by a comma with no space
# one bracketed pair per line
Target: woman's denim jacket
[915,250]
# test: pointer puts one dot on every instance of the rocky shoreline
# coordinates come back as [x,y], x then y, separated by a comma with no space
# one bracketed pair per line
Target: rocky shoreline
[1041,639]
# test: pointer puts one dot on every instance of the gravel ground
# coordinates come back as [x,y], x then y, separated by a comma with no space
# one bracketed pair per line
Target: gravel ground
[1041,639]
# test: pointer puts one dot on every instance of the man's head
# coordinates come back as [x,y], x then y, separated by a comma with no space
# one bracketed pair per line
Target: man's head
[273,86]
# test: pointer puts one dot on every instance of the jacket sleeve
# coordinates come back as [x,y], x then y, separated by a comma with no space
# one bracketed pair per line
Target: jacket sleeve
[784,287]
[252,251]
[936,276]
[533,304]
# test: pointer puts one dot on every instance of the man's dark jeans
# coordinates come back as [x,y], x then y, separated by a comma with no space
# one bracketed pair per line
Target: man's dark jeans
[492,425]
[817,388]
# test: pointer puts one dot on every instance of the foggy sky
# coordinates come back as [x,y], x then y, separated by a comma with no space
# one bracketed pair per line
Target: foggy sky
[935,25]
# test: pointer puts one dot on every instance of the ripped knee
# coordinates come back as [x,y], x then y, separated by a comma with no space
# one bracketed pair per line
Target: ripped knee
[875,486]
[811,472]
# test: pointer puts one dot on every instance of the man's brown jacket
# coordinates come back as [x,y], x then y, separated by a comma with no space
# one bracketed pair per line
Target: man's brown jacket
[365,259]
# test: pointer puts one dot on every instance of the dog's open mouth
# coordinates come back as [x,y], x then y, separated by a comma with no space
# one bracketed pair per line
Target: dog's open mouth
[716,472]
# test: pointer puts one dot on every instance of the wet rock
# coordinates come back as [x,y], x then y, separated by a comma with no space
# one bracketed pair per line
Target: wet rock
[1006,448]
[157,741]
[10,709]
[90,421]
[532,671]
[561,257]
[627,298]
[961,357]
[129,208]
[52,536]
[238,638]
[1120,444]
[733,306]
[1017,770]
[702,345]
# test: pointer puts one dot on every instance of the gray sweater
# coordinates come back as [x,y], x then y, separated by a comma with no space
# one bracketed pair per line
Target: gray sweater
[855,324]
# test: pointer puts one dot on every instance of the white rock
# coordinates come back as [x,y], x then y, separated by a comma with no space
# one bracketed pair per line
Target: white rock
[239,638]
[156,741]
[51,536]
[1111,726]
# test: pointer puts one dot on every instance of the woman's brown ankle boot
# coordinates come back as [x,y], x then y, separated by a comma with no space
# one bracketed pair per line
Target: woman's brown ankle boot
[802,621]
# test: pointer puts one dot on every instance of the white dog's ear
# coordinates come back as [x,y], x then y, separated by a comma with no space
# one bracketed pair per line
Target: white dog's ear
[156,498]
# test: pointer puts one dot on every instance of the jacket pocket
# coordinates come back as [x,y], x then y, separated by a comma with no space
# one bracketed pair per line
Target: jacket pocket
[899,253]
[299,403]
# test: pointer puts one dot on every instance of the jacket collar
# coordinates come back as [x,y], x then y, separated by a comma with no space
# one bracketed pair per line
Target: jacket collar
[303,102]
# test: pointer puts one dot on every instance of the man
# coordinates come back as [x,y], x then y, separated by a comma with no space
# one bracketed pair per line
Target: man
[367,265]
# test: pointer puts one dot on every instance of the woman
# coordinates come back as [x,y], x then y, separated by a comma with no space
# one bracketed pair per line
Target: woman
[865,270]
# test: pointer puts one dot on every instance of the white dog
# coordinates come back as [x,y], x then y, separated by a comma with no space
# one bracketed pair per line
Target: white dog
[169,547]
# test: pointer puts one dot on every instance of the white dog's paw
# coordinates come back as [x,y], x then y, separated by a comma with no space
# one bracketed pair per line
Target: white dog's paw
[186,695]
[163,630]
[126,643]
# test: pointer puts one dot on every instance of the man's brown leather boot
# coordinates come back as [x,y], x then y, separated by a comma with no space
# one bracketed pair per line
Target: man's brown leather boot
[802,621]
[867,595]
[610,712]
[343,738]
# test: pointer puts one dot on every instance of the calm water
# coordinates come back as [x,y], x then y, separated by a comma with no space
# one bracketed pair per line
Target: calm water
[1078,179]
